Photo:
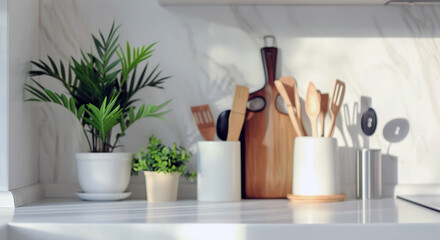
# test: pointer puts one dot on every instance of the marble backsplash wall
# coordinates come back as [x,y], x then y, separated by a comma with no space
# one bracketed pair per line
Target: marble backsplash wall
[388,55]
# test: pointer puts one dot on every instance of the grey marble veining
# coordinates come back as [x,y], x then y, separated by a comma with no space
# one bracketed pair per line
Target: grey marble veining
[388,53]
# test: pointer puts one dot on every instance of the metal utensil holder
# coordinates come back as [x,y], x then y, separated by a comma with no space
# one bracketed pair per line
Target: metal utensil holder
[369,174]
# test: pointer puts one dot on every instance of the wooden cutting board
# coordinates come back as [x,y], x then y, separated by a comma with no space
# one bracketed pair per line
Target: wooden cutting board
[268,141]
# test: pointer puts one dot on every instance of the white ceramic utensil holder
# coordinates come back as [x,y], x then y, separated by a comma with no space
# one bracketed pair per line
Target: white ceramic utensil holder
[218,171]
[316,167]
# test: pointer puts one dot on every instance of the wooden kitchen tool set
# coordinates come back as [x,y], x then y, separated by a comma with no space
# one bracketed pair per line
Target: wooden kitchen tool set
[266,133]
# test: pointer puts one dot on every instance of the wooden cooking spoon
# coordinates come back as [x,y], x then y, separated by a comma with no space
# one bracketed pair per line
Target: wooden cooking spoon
[324,107]
[238,111]
[297,105]
[336,103]
[313,107]
[285,88]
[205,121]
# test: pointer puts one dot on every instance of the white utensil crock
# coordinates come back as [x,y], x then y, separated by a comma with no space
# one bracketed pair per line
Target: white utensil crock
[103,172]
[161,187]
[316,167]
[218,171]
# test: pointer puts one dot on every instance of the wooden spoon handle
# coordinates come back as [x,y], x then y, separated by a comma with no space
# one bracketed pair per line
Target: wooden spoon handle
[314,124]
[332,125]
[298,108]
[295,122]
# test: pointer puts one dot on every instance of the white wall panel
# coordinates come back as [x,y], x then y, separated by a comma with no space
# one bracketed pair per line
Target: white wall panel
[3,95]
[23,25]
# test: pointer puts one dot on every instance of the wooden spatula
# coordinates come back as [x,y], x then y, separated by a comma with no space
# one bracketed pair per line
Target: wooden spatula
[238,111]
[324,108]
[336,103]
[297,106]
[205,121]
[285,88]
[313,107]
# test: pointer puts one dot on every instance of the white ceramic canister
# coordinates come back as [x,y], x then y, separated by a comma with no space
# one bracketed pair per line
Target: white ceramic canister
[316,167]
[219,171]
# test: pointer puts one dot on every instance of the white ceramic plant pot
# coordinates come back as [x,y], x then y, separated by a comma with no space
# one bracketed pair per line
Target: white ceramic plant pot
[161,187]
[104,172]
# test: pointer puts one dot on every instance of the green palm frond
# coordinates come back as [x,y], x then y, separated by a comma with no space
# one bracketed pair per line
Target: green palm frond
[153,79]
[61,73]
[89,85]
[103,119]
[148,110]
[43,94]
[106,48]
[132,57]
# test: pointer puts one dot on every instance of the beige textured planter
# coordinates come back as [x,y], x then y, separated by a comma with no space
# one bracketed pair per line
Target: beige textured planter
[161,187]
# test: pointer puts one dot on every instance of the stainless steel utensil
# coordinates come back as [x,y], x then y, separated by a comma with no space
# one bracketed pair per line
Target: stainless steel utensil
[369,174]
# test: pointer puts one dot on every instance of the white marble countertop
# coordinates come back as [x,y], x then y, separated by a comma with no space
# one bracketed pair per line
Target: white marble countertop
[248,219]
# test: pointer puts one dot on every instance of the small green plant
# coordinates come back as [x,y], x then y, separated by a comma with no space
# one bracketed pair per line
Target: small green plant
[160,158]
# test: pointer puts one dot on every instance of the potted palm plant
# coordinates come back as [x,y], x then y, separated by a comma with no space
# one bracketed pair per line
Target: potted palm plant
[100,89]
[162,167]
